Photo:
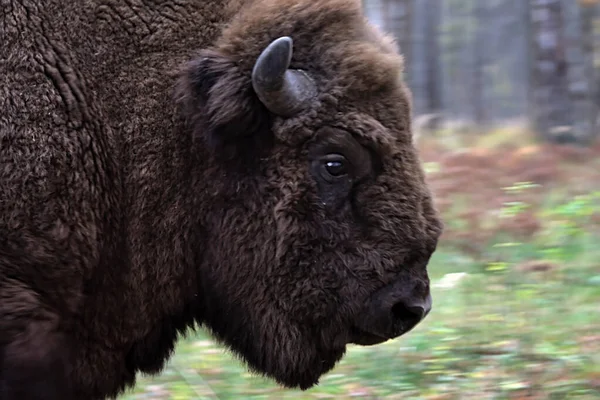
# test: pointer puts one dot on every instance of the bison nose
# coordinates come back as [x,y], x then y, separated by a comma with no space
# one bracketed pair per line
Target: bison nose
[395,309]
[409,312]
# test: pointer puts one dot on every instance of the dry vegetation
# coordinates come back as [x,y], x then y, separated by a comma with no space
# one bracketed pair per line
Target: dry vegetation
[486,192]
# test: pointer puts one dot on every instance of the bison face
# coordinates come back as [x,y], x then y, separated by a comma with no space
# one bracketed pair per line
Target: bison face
[374,235]
[315,220]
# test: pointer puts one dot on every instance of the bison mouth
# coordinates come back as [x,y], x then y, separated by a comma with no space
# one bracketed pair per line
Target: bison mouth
[363,338]
[391,312]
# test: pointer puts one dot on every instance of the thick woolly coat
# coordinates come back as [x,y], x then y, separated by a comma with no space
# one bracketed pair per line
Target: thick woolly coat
[144,187]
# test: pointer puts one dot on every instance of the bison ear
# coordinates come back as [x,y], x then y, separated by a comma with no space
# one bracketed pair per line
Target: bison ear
[219,104]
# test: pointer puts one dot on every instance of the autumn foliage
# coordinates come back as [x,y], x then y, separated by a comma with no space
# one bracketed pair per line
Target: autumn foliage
[473,188]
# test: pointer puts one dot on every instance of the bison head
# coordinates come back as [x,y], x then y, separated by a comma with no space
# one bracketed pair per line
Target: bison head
[314,218]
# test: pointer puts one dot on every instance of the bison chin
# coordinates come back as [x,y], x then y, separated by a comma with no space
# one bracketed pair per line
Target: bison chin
[276,349]
[300,366]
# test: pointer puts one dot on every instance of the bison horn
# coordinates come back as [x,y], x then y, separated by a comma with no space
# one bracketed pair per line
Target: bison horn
[282,90]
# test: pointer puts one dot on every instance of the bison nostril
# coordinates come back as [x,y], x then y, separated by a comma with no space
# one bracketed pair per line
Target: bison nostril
[394,311]
[408,314]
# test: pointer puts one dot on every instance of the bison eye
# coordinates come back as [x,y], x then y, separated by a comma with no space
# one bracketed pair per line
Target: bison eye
[334,166]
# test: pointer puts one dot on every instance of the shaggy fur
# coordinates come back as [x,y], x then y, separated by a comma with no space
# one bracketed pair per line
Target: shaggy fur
[145,188]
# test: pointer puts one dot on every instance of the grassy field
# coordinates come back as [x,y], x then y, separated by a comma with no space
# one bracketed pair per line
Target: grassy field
[516,288]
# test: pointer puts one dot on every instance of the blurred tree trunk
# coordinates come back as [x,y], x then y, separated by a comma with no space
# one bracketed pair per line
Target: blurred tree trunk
[397,20]
[406,42]
[590,106]
[433,85]
[552,108]
[479,62]
[528,62]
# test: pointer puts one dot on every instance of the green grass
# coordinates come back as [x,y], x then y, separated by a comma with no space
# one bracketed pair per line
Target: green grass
[495,334]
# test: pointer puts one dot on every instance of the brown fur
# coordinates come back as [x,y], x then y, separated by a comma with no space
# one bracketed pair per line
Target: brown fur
[129,212]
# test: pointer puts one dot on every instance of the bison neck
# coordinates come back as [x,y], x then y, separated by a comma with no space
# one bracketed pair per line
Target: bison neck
[145,290]
[156,159]
[103,194]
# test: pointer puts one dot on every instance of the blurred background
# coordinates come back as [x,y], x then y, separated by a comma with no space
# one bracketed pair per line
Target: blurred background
[506,96]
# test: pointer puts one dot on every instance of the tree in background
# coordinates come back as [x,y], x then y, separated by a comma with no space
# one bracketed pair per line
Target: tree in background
[590,94]
[432,25]
[486,62]
[397,18]
[479,62]
[552,112]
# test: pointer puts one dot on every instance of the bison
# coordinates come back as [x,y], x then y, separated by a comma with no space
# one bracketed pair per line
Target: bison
[242,165]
